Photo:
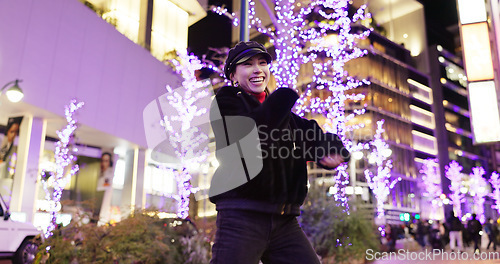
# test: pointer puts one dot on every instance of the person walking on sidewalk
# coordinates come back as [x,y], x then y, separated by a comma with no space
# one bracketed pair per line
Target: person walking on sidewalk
[455,226]
[491,229]
[474,227]
[256,220]
[423,233]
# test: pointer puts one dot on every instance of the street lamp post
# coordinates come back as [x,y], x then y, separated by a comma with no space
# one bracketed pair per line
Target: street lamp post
[244,30]
[13,93]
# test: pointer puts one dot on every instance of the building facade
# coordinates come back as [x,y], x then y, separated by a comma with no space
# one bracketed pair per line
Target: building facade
[397,67]
[400,95]
[421,93]
[62,50]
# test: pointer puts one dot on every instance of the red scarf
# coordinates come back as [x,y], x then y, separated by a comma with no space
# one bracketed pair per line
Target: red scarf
[260,96]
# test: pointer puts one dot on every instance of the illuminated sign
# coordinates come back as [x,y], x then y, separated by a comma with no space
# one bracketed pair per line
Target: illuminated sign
[471,11]
[477,52]
[484,110]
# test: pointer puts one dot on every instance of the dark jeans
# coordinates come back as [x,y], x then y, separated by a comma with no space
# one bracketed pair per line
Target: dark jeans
[493,240]
[245,237]
[476,238]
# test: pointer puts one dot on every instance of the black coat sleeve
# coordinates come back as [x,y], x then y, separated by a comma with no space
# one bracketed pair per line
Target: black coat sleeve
[275,113]
[318,144]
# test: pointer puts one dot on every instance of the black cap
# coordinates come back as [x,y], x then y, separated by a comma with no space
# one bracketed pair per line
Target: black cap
[242,52]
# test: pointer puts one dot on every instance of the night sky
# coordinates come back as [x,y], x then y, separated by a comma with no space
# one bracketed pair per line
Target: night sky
[443,12]
[212,31]
[215,30]
[440,15]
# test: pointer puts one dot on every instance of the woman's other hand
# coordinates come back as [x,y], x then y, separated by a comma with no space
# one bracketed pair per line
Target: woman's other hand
[331,161]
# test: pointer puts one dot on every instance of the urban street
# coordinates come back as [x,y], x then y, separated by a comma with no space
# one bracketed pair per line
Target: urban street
[198,131]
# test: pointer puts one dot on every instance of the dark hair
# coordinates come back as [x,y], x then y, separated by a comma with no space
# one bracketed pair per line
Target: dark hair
[241,52]
[12,121]
[110,158]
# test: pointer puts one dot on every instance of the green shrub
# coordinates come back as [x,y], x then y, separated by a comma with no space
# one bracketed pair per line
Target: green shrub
[138,239]
[333,232]
[196,249]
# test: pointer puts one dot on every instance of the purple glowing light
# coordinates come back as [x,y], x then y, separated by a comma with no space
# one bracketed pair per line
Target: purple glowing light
[453,172]
[478,190]
[495,182]
[380,182]
[431,181]
[188,143]
[300,42]
[64,170]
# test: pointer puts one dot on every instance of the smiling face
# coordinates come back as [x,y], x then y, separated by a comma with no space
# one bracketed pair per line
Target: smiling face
[12,133]
[253,74]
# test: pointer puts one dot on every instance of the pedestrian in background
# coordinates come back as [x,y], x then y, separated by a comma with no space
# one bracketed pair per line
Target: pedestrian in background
[444,232]
[455,226]
[423,233]
[392,237]
[474,227]
[491,229]
[436,235]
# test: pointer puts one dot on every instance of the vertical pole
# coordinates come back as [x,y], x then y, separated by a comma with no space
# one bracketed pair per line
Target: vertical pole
[244,30]
[145,21]
[352,180]
[142,163]
[130,182]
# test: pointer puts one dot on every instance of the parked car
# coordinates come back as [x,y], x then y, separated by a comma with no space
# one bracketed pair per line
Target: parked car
[16,238]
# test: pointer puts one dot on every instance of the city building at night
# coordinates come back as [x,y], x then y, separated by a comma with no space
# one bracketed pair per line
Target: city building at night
[109,56]
[454,131]
[399,93]
[113,56]
[421,93]
[158,26]
[464,62]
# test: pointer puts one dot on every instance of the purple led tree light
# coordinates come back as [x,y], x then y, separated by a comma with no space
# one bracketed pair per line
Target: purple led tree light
[453,173]
[431,181]
[186,139]
[216,63]
[329,74]
[64,168]
[299,41]
[495,182]
[380,183]
[224,12]
[478,190]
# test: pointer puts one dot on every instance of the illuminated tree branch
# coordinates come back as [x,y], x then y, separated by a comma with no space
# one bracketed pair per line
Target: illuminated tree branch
[64,168]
